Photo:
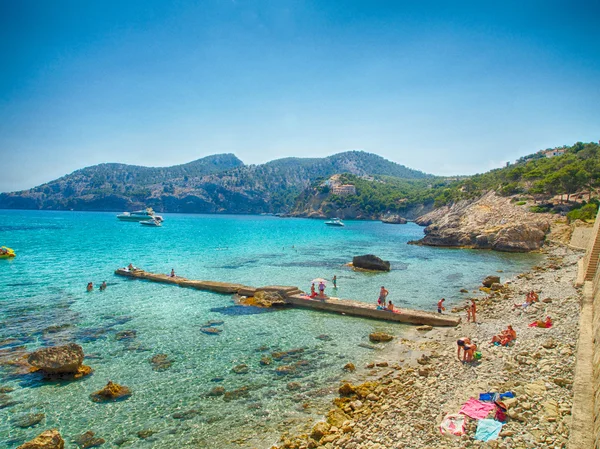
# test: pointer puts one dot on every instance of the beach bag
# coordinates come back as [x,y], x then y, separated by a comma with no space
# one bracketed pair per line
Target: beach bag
[477,355]
[453,425]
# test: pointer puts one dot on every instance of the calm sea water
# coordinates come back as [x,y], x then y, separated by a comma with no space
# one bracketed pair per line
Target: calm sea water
[43,302]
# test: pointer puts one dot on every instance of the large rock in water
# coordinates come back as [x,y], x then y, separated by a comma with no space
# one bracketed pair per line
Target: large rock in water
[489,222]
[65,359]
[394,219]
[370,262]
[49,439]
[264,298]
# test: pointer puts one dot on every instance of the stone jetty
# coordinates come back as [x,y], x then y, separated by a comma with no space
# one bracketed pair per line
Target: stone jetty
[293,296]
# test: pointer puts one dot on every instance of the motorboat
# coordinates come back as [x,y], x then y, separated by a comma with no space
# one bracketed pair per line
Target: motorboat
[6,253]
[334,222]
[140,215]
[153,222]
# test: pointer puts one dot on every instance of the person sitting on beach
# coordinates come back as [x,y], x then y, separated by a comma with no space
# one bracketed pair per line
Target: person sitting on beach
[461,342]
[390,306]
[172,273]
[312,290]
[505,337]
[440,306]
[103,286]
[529,299]
[90,287]
[130,267]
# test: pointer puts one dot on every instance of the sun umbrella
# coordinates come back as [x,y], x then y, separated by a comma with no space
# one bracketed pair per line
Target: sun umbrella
[319,280]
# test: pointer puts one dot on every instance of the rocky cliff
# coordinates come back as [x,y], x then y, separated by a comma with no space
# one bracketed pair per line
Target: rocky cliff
[489,222]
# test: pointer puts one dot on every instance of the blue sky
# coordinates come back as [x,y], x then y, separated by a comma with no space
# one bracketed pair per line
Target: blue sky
[443,87]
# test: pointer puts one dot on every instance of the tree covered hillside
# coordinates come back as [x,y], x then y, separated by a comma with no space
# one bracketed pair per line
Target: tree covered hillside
[576,170]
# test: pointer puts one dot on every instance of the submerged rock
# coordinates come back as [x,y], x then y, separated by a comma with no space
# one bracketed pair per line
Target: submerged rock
[188,414]
[239,393]
[324,337]
[370,262]
[211,330]
[216,391]
[29,420]
[111,392]
[161,362]
[126,335]
[349,367]
[65,359]
[87,440]
[49,439]
[240,369]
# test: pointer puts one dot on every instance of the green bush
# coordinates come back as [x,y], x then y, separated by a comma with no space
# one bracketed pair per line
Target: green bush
[539,209]
[587,212]
[520,203]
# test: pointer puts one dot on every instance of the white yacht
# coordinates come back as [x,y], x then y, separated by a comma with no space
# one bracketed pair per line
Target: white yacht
[334,222]
[140,215]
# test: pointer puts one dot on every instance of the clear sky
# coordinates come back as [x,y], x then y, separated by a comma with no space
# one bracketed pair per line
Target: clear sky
[446,87]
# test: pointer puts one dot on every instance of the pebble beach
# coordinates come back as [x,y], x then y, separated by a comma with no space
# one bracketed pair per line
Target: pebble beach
[405,393]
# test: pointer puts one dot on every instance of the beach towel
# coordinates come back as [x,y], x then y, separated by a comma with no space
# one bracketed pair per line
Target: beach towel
[495,396]
[476,409]
[488,429]
[453,424]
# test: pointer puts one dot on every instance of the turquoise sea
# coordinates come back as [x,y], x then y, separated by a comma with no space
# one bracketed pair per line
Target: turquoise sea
[43,302]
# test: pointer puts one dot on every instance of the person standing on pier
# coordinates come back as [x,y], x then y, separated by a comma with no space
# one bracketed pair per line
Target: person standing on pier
[321,289]
[172,272]
[383,293]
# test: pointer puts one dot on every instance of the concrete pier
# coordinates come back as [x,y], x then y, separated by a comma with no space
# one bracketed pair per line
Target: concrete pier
[293,296]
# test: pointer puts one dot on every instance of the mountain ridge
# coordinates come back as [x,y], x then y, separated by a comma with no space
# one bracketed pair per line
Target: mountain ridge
[219,183]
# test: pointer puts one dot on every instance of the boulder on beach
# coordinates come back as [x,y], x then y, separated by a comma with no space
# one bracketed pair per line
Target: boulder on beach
[49,439]
[58,360]
[111,392]
[377,337]
[370,262]
[488,281]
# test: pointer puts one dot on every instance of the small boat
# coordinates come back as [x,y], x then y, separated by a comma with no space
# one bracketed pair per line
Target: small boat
[334,222]
[154,222]
[139,215]
[6,253]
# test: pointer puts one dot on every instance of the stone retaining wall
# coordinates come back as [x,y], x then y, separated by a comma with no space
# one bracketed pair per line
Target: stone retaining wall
[585,427]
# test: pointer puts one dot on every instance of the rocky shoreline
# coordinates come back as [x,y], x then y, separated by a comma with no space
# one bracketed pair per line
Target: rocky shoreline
[416,381]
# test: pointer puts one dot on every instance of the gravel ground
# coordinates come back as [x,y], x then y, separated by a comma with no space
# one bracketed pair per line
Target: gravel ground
[420,379]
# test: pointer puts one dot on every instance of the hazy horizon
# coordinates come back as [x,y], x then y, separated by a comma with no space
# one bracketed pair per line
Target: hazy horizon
[447,89]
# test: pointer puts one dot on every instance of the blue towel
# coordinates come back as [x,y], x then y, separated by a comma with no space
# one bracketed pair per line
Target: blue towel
[488,429]
[491,397]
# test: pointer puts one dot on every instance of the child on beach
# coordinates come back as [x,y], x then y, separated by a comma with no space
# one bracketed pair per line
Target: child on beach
[312,290]
[473,310]
[469,352]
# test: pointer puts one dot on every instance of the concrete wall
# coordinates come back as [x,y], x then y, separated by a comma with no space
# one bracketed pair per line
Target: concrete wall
[585,426]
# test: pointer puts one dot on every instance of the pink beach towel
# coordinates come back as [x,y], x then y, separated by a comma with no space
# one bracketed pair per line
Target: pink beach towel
[476,409]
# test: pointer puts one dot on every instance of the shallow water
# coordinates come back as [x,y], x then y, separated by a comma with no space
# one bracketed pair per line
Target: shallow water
[43,302]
